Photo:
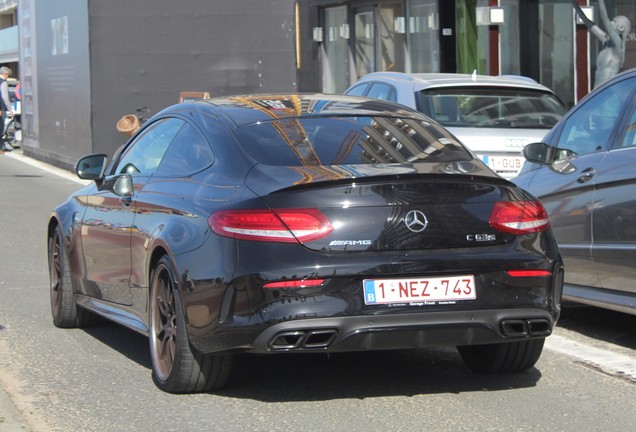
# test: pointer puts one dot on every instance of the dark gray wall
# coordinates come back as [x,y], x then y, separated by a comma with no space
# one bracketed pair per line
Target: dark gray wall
[125,54]
[145,52]
[56,79]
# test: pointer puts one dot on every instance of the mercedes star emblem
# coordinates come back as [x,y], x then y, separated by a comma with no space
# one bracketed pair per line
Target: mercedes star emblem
[416,221]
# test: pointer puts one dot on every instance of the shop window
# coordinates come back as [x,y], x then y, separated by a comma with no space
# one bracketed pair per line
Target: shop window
[423,35]
[336,50]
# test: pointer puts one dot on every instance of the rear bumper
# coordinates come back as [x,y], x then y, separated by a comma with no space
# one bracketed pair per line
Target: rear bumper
[402,331]
[237,314]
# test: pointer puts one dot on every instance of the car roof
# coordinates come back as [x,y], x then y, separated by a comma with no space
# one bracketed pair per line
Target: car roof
[249,109]
[423,81]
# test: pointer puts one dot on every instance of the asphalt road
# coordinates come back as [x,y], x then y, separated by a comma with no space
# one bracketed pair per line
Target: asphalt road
[98,379]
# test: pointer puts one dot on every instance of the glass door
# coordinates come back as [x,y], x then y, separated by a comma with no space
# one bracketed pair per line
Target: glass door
[391,25]
[556,48]
[423,37]
[548,57]
[469,57]
[364,24]
[379,38]
[336,51]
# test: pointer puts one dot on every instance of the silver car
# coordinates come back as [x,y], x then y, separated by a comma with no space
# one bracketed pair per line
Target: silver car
[494,116]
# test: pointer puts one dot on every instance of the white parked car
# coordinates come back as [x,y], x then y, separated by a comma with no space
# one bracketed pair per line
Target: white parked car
[494,116]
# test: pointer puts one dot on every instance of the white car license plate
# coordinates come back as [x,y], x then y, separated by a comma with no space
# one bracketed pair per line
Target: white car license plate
[448,288]
[504,163]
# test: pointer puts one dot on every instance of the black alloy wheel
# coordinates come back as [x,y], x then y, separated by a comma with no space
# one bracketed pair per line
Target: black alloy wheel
[176,366]
[65,312]
[509,357]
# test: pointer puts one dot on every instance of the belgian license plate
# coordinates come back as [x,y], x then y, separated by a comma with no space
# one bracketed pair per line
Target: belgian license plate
[419,290]
[505,163]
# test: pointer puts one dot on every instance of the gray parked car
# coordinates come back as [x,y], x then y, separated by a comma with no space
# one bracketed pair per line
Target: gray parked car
[585,174]
[494,116]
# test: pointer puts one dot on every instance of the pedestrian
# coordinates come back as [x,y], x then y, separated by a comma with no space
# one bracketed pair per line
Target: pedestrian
[5,105]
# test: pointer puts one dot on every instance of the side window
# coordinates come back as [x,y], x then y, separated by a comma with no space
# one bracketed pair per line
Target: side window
[189,152]
[382,91]
[144,154]
[588,130]
[358,90]
[629,136]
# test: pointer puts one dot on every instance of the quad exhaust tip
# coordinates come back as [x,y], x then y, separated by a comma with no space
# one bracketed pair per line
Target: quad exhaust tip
[303,339]
[526,327]
[323,338]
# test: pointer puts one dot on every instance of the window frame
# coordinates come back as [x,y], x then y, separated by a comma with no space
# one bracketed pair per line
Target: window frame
[175,139]
[586,107]
[130,147]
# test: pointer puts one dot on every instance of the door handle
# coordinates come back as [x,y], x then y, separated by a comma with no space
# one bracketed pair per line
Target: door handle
[586,175]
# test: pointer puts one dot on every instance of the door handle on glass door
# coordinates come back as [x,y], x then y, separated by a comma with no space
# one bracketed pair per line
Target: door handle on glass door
[586,175]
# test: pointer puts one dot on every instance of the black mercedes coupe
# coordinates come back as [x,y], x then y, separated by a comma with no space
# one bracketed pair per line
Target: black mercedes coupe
[303,223]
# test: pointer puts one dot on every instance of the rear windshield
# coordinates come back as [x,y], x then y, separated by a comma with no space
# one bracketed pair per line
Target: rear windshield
[491,108]
[347,140]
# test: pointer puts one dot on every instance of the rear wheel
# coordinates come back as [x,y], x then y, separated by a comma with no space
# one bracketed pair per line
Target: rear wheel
[10,134]
[509,357]
[176,366]
[65,312]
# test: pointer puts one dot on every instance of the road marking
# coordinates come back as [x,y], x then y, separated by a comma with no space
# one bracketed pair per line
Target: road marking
[46,167]
[610,362]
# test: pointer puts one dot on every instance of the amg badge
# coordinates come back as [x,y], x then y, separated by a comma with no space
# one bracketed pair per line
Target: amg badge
[350,243]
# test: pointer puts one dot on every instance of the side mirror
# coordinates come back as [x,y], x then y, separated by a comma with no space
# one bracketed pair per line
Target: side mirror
[543,154]
[91,167]
[123,186]
[538,153]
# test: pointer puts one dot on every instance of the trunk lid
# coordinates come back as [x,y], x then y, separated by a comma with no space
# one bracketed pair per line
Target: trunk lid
[394,212]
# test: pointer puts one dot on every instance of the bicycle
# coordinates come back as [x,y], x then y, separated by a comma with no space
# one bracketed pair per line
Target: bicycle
[12,135]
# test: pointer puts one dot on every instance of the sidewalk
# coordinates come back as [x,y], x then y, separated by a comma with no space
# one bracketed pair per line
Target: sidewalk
[17,154]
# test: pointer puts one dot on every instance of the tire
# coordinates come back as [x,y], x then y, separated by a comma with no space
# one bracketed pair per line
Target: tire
[65,312]
[509,357]
[176,366]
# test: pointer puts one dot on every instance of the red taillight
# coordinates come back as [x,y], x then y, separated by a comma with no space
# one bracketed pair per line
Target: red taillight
[529,273]
[519,217]
[279,225]
[303,283]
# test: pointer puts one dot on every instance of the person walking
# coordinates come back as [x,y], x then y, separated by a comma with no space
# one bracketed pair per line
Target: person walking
[5,105]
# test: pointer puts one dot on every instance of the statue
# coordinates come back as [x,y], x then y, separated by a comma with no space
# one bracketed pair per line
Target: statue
[612,56]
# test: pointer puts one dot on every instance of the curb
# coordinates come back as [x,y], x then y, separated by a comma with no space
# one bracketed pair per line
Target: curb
[17,154]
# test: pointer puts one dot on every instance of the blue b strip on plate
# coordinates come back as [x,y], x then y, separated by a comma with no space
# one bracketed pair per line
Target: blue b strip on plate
[369,291]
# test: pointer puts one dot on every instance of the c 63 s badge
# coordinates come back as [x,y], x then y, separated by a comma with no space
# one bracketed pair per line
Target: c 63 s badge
[481,237]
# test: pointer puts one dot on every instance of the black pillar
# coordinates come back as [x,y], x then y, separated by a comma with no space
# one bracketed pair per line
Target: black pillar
[447,37]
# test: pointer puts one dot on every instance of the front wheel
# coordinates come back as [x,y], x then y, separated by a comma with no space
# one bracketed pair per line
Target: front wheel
[508,357]
[176,366]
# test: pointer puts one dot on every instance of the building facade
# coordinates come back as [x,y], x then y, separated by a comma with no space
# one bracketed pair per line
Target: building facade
[85,63]
[541,39]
